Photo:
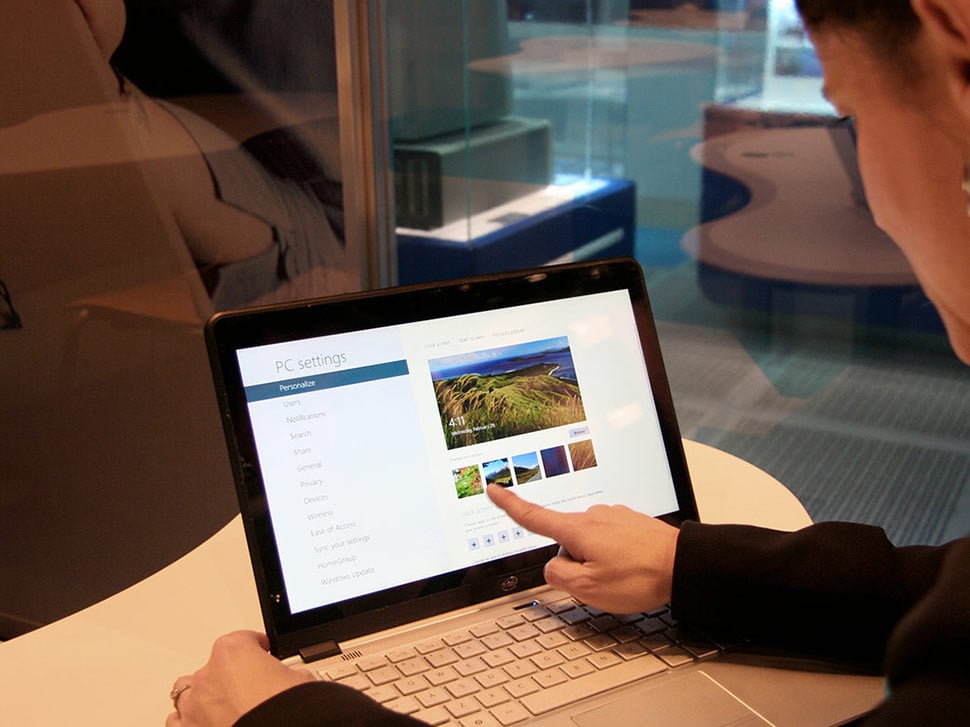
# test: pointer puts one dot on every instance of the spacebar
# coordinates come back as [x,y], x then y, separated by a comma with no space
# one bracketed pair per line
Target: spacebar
[587,686]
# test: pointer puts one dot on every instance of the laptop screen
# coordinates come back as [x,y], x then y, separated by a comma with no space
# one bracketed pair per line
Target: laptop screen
[371,445]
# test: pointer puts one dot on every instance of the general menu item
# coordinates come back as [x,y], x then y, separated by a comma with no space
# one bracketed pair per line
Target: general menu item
[363,431]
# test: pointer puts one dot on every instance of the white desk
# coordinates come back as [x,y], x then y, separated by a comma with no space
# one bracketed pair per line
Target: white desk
[114,663]
[802,224]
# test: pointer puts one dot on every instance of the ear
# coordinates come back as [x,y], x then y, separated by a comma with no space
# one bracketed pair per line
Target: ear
[947,27]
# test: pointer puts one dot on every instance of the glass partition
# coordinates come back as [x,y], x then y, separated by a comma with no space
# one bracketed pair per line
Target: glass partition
[693,136]
[159,160]
[164,159]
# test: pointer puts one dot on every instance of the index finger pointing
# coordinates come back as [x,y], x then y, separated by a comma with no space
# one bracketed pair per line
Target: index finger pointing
[532,517]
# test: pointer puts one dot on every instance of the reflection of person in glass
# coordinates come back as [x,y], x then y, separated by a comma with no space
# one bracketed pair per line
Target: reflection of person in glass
[256,234]
[900,67]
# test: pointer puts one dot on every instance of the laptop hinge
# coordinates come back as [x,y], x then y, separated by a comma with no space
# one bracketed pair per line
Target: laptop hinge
[319,651]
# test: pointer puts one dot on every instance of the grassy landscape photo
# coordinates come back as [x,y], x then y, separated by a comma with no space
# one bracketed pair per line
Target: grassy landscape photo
[501,392]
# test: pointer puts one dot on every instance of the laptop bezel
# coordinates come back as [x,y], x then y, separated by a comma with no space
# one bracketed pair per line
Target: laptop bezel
[227,332]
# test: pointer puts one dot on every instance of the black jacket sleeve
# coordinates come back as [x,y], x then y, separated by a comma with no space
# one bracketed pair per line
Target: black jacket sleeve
[928,656]
[842,589]
[836,589]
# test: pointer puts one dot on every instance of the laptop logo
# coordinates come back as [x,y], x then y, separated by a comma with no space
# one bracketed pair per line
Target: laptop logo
[509,584]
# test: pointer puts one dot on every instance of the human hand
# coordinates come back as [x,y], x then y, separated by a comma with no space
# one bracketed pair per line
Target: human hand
[239,675]
[611,557]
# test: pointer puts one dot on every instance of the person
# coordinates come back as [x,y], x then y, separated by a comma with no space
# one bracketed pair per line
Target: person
[901,69]
[261,219]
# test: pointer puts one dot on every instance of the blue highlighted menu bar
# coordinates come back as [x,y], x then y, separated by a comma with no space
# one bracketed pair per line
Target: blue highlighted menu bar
[330,380]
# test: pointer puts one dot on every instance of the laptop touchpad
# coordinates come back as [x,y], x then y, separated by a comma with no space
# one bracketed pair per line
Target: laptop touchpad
[695,700]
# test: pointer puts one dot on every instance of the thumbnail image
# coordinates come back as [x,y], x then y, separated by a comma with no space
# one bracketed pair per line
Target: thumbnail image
[525,467]
[501,392]
[554,461]
[582,455]
[497,472]
[468,481]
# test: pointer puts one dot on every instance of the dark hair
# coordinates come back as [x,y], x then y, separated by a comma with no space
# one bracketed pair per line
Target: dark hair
[888,25]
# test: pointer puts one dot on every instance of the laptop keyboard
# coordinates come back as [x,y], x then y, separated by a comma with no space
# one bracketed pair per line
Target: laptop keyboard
[531,662]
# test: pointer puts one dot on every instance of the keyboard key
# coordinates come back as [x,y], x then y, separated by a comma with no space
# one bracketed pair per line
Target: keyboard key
[651,626]
[521,687]
[525,649]
[604,623]
[338,671]
[433,697]
[493,678]
[433,716]
[510,713]
[604,659]
[404,705]
[630,650]
[462,688]
[625,634]
[410,667]
[549,678]
[492,697]
[498,658]
[551,623]
[368,663]
[469,649]
[600,642]
[574,669]
[510,621]
[524,632]
[547,659]
[442,658]
[535,613]
[482,719]
[484,629]
[692,641]
[675,656]
[397,655]
[551,641]
[470,667]
[574,650]
[578,632]
[497,640]
[520,669]
[412,685]
[561,606]
[656,642]
[437,677]
[426,647]
[383,675]
[545,700]
[463,707]
[574,616]
[458,637]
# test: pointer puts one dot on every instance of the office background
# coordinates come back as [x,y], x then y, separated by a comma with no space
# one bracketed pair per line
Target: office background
[234,152]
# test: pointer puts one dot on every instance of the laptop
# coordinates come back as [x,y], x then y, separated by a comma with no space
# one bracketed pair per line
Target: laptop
[363,431]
